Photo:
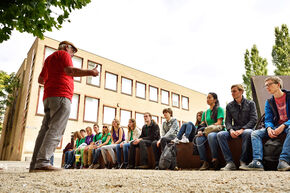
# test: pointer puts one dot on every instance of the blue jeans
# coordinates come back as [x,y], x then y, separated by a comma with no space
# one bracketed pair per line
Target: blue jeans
[188,129]
[125,153]
[96,155]
[257,144]
[69,157]
[223,138]
[213,144]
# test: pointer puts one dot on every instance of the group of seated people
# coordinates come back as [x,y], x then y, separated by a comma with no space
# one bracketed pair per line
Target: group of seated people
[240,121]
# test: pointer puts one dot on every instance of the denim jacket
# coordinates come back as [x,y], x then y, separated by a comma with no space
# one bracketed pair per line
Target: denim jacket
[241,116]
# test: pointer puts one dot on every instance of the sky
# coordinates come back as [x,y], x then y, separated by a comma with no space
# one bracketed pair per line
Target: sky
[196,44]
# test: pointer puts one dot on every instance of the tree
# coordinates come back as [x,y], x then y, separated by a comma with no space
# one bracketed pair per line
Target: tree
[8,84]
[35,16]
[254,65]
[281,51]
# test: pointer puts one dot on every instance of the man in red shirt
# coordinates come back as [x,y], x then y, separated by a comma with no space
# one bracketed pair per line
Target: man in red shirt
[57,77]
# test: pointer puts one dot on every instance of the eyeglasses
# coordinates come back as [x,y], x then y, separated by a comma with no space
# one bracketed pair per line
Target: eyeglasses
[269,84]
[73,49]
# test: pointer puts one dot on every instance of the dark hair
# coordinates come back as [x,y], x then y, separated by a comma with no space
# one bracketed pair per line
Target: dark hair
[82,130]
[96,125]
[217,104]
[198,113]
[168,110]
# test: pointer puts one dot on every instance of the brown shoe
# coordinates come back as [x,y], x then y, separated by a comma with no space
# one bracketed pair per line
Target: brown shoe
[48,168]
[205,166]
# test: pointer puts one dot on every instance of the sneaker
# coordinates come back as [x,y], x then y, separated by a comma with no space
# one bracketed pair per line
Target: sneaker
[230,166]
[283,166]
[96,166]
[123,166]
[156,167]
[176,140]
[205,166]
[91,166]
[255,165]
[242,164]
[215,165]
[184,140]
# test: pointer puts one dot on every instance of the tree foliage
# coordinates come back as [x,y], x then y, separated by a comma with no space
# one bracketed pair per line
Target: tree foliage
[35,16]
[8,84]
[254,65]
[281,51]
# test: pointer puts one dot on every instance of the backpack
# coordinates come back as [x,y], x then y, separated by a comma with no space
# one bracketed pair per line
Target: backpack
[168,157]
[261,123]
[272,151]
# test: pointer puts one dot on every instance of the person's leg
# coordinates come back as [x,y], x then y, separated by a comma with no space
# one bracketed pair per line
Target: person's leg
[200,141]
[164,141]
[112,153]
[59,109]
[66,154]
[118,152]
[181,131]
[189,128]
[143,144]
[41,134]
[85,158]
[90,157]
[257,145]
[95,156]
[126,147]
[104,149]
[193,132]
[285,154]
[246,145]
[223,137]
[213,144]
[132,155]
[156,152]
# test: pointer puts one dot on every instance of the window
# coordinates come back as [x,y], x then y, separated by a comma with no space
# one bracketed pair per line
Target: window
[175,100]
[94,80]
[74,107]
[165,97]
[153,93]
[124,117]
[185,101]
[111,81]
[48,52]
[155,118]
[140,90]
[78,63]
[109,115]
[139,120]
[40,107]
[91,109]
[127,86]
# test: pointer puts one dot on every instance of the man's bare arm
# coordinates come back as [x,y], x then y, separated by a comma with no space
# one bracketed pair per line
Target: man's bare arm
[77,72]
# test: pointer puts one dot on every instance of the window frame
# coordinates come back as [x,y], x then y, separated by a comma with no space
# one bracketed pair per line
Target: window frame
[120,115]
[104,111]
[100,74]
[85,121]
[136,90]
[182,96]
[131,85]
[36,112]
[173,93]
[117,77]
[79,81]
[168,97]
[77,109]
[157,93]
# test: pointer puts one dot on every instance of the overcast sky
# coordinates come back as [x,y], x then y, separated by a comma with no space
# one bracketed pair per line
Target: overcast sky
[197,44]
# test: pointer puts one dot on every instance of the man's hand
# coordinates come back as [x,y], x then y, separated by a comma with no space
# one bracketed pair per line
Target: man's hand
[95,72]
[121,145]
[271,133]
[199,133]
[239,132]
[234,134]
[136,142]
[158,143]
[279,130]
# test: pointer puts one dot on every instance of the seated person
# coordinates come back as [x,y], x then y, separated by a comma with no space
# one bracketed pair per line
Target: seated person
[150,132]
[70,155]
[88,141]
[188,130]
[80,144]
[277,121]
[241,118]
[118,136]
[133,134]
[212,116]
[168,132]
[88,151]
[106,140]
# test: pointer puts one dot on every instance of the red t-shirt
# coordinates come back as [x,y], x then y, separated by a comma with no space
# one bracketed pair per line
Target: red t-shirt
[56,82]
[281,106]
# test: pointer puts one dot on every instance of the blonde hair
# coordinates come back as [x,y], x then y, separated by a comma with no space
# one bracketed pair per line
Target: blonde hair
[276,80]
[134,125]
[239,86]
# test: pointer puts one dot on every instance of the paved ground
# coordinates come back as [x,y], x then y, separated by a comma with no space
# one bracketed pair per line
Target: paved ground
[15,178]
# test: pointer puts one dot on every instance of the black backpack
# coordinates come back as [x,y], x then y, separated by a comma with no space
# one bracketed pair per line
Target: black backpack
[168,157]
[272,151]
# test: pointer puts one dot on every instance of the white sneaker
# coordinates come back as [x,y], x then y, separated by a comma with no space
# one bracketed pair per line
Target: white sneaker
[230,166]
[242,164]
[184,140]
[176,140]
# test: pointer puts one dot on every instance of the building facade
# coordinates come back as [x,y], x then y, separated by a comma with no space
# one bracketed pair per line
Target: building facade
[119,91]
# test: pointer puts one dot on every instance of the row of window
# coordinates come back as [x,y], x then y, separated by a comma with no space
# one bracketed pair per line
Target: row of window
[91,111]
[111,83]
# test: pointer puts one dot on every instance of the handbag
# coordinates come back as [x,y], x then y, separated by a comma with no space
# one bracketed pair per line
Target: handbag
[211,128]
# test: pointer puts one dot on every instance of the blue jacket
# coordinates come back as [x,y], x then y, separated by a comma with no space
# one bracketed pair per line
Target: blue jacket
[271,112]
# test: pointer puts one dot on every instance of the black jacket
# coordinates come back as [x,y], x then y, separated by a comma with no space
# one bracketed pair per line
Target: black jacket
[241,116]
[151,132]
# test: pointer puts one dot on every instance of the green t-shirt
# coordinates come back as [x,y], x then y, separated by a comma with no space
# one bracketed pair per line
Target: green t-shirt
[104,139]
[97,137]
[131,137]
[220,114]
[78,142]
